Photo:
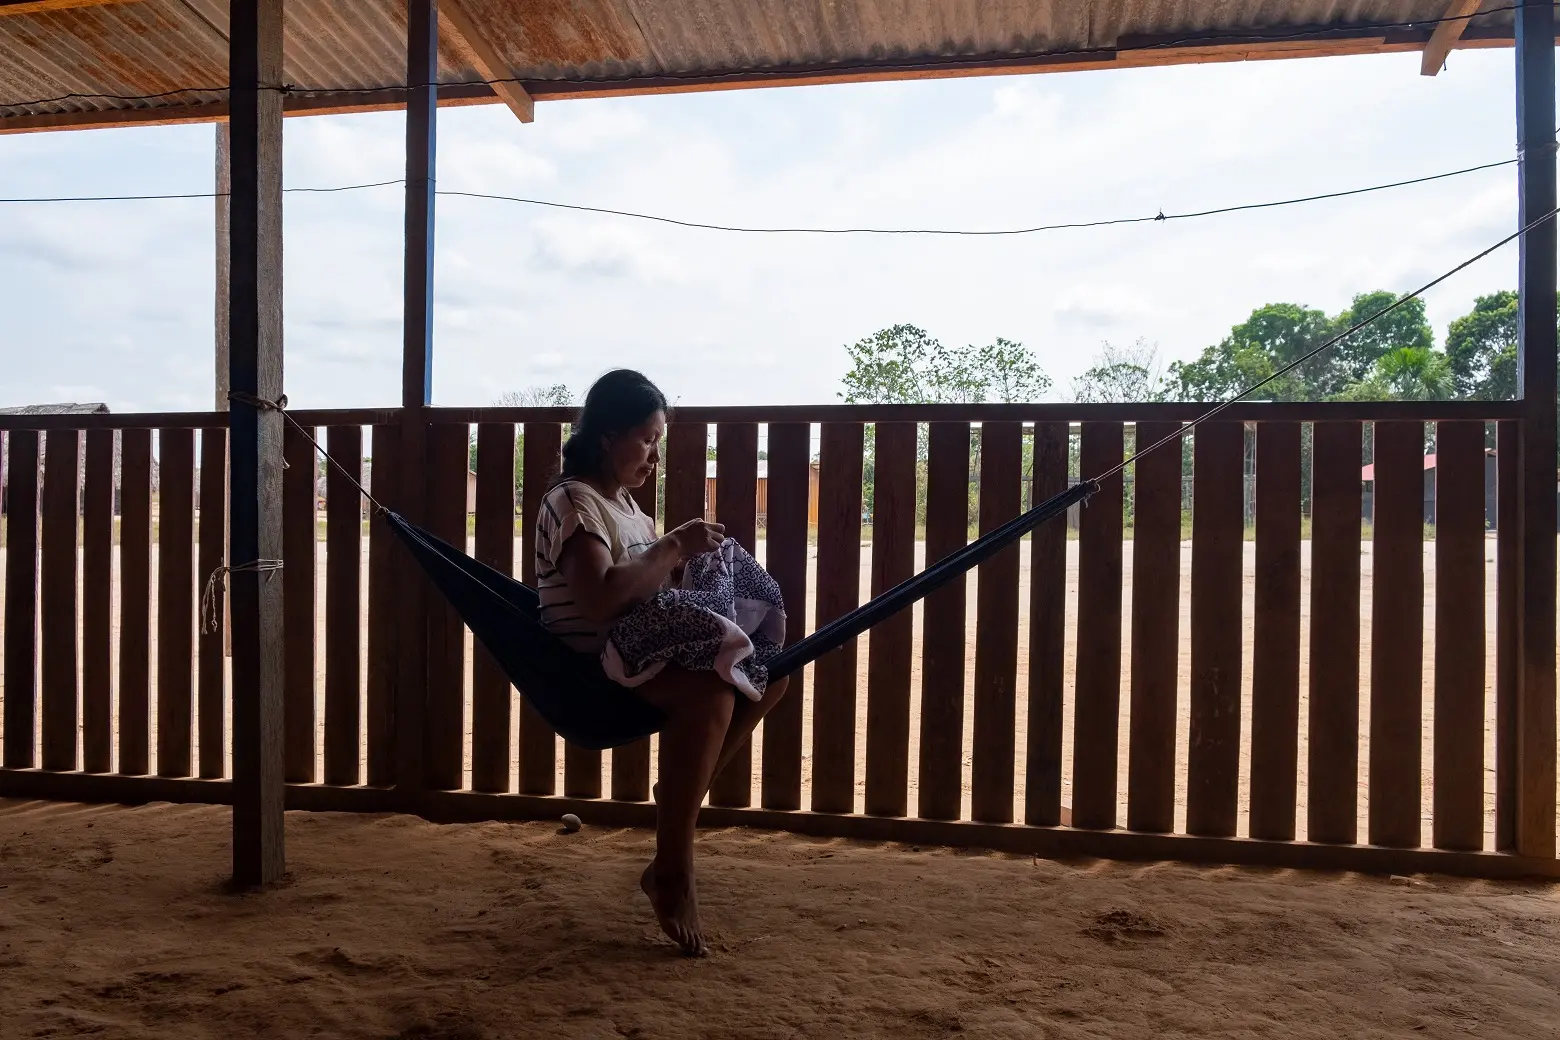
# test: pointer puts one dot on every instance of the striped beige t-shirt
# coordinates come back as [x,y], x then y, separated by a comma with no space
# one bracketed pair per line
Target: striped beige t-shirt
[571,507]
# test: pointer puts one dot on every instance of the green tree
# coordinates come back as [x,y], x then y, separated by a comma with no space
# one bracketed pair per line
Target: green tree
[1122,375]
[1405,327]
[1482,348]
[905,365]
[1405,374]
[1273,336]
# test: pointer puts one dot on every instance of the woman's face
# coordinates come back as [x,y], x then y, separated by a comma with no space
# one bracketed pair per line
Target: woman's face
[634,454]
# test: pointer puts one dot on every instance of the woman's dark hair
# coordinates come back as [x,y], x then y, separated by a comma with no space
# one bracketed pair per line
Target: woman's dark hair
[617,402]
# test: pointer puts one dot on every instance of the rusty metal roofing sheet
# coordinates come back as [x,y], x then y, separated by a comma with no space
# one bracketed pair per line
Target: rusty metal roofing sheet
[122,51]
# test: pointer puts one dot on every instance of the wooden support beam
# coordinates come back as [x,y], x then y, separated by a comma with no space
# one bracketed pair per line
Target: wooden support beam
[8,7]
[1454,23]
[485,59]
[1536,283]
[255,334]
[412,622]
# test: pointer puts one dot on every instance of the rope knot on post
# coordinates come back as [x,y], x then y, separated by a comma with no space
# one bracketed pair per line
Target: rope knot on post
[216,584]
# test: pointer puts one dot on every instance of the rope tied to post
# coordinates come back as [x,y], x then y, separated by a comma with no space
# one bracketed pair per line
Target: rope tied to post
[216,582]
[216,585]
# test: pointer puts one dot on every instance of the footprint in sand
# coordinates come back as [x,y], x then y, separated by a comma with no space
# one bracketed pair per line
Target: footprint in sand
[1120,925]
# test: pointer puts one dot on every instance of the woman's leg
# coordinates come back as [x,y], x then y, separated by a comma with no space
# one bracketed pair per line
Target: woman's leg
[745,719]
[698,707]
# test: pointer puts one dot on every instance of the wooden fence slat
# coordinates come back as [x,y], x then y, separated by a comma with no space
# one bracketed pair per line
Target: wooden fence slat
[175,600]
[1218,519]
[57,598]
[1098,682]
[839,591]
[941,781]
[211,691]
[1458,778]
[1508,574]
[299,550]
[491,697]
[97,584]
[21,599]
[890,649]
[1397,634]
[995,691]
[1047,633]
[541,458]
[448,444]
[1156,628]
[135,586]
[631,762]
[736,505]
[343,606]
[385,448]
[1275,669]
[790,466]
[1332,761]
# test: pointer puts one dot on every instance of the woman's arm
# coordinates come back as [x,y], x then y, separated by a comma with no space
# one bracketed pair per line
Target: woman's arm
[604,591]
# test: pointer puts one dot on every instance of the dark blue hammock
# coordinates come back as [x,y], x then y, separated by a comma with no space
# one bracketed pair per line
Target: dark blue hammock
[571,692]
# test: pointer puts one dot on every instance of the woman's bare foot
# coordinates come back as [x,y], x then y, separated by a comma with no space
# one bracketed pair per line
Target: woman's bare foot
[676,909]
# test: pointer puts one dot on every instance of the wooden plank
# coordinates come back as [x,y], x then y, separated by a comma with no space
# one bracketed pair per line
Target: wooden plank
[57,599]
[343,606]
[941,783]
[1397,634]
[135,586]
[1332,761]
[839,591]
[1047,634]
[1098,680]
[21,599]
[448,444]
[631,762]
[1275,668]
[542,456]
[890,649]
[494,536]
[1537,281]
[686,444]
[299,597]
[1454,22]
[1458,817]
[382,560]
[97,586]
[1213,766]
[996,634]
[1156,629]
[790,454]
[256,449]
[736,489]
[1508,580]
[211,682]
[175,601]
[490,65]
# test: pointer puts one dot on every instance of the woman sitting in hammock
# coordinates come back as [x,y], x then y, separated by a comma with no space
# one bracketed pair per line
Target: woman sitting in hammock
[686,619]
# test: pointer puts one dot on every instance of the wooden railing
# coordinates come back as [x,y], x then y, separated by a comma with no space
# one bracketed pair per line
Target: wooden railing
[1009,711]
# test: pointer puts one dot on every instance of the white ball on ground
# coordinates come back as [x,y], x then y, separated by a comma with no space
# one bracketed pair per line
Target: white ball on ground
[571,822]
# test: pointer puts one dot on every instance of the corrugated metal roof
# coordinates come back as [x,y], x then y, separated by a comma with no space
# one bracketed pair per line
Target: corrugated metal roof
[150,47]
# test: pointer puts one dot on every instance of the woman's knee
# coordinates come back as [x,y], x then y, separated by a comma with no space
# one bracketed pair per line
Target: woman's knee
[701,696]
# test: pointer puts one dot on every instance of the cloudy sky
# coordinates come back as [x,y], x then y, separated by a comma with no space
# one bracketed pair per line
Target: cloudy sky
[113,301]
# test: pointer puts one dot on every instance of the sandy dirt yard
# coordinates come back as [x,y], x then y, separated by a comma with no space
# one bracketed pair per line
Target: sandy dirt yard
[115,923]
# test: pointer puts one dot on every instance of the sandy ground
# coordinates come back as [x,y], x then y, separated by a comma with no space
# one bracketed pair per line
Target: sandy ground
[115,923]
[1182,739]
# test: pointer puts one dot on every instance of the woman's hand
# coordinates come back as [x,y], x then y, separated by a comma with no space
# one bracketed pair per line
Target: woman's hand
[696,537]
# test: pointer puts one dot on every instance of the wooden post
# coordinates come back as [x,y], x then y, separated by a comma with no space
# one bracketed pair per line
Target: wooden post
[224,295]
[255,367]
[422,66]
[1536,282]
